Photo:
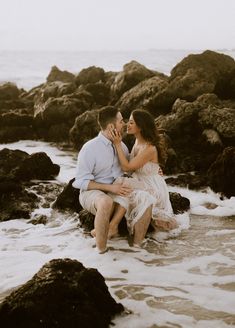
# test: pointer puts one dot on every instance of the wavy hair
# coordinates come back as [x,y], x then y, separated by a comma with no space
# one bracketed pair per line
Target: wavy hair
[145,121]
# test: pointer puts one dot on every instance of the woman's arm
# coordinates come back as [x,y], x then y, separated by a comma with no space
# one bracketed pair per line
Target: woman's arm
[138,161]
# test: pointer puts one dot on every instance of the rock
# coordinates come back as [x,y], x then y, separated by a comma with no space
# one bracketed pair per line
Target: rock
[145,95]
[9,91]
[16,203]
[85,128]
[36,166]
[221,174]
[56,110]
[39,219]
[14,118]
[99,91]
[62,294]
[91,74]
[15,133]
[225,86]
[179,203]
[132,74]
[188,180]
[199,73]
[57,75]
[68,199]
[220,119]
[16,169]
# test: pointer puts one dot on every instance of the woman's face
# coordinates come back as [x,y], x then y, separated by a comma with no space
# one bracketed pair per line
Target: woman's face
[132,127]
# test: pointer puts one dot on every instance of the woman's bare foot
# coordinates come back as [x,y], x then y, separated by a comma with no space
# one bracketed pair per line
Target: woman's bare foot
[93,234]
[113,232]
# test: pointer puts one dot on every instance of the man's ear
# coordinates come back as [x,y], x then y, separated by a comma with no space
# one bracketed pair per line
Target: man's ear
[111,126]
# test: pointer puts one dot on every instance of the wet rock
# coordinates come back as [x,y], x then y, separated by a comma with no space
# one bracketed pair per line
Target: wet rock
[17,203]
[188,180]
[16,169]
[68,199]
[62,294]
[37,166]
[57,75]
[221,174]
[39,219]
[179,203]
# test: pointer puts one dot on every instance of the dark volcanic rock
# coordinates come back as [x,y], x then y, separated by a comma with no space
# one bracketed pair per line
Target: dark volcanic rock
[179,203]
[68,199]
[16,169]
[37,166]
[62,294]
[221,174]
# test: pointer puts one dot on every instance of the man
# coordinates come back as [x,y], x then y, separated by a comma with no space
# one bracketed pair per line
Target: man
[98,166]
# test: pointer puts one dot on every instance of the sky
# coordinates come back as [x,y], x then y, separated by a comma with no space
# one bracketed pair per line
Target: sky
[116,24]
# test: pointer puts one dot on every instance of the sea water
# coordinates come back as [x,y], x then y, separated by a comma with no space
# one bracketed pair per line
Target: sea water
[183,280]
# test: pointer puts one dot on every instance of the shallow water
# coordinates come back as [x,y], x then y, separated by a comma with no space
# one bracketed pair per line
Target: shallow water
[187,280]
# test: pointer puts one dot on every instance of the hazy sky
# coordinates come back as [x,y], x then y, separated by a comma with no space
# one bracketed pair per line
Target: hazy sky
[116,24]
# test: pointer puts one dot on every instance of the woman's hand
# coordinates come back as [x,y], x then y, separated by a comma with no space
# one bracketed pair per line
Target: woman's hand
[115,136]
[121,190]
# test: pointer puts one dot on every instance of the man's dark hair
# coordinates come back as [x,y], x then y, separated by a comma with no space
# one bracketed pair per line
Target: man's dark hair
[106,115]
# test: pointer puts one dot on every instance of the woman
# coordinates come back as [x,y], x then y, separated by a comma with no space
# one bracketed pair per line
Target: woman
[149,188]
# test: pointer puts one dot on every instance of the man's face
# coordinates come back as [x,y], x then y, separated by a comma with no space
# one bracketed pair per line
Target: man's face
[119,125]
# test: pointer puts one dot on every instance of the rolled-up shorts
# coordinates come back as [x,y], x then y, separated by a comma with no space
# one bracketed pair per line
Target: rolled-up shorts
[88,198]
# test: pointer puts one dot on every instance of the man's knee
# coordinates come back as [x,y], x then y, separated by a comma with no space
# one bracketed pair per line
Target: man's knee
[104,202]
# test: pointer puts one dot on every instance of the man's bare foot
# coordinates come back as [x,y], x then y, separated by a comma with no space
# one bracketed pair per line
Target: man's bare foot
[93,234]
[112,233]
[102,251]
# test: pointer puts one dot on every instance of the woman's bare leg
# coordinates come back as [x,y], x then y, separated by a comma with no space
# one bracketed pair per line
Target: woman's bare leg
[141,227]
[118,214]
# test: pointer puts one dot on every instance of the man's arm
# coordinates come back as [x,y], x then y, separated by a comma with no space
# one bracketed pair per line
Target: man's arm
[85,166]
[118,189]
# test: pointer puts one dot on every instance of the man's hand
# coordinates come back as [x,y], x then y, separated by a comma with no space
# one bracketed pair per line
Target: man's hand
[120,189]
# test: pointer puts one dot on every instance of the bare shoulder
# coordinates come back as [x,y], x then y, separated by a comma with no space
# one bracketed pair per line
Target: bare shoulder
[151,149]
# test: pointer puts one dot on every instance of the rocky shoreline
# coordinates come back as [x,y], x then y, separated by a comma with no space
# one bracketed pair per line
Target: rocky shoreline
[194,109]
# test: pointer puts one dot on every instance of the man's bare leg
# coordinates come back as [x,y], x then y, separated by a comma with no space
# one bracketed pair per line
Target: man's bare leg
[119,212]
[141,227]
[104,206]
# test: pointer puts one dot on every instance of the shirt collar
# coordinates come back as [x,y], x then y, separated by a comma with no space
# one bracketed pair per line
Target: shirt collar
[105,140]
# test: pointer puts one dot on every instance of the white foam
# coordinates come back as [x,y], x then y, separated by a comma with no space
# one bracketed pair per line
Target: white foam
[150,282]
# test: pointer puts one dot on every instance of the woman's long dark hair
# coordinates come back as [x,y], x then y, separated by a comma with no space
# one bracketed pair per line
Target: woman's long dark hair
[145,121]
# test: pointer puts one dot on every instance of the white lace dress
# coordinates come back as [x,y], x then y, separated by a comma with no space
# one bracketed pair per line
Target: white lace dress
[149,189]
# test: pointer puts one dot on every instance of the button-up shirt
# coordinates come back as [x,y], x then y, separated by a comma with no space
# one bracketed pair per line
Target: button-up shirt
[98,161]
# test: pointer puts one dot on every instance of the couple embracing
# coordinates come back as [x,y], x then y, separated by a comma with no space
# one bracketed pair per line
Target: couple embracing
[143,197]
